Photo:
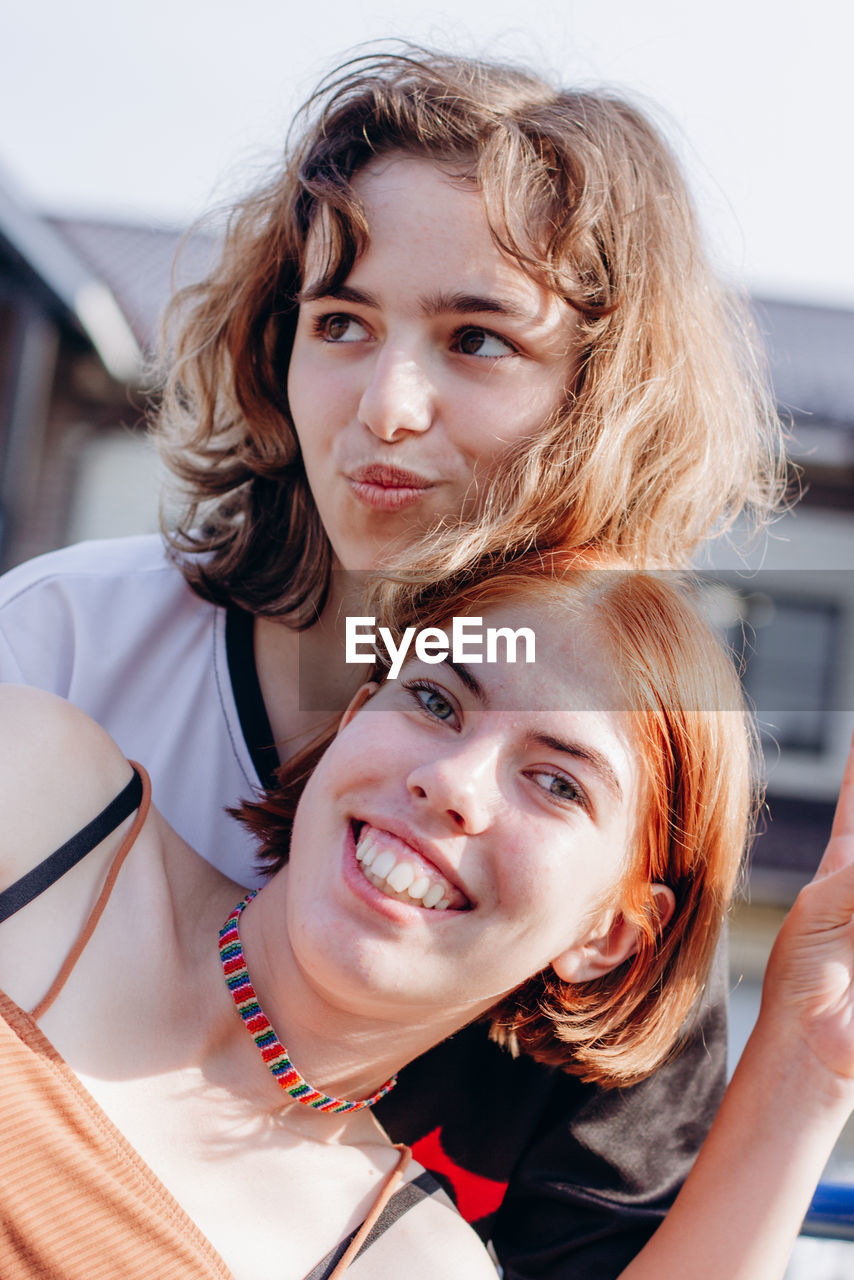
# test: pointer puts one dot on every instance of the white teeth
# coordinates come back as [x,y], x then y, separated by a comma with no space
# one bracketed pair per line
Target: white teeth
[433,895]
[401,877]
[419,888]
[366,849]
[384,871]
[383,863]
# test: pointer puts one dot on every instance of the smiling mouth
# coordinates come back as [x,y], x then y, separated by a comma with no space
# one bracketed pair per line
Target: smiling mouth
[396,870]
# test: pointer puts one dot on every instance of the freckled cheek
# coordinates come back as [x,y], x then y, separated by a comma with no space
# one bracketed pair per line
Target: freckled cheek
[373,749]
[522,881]
[544,893]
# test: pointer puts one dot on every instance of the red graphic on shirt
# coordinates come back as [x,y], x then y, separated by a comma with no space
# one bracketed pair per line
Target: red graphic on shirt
[476,1196]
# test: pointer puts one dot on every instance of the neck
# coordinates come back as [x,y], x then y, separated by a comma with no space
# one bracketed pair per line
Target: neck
[338,1051]
[304,680]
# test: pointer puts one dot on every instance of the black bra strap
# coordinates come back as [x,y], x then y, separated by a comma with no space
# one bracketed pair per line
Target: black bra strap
[69,854]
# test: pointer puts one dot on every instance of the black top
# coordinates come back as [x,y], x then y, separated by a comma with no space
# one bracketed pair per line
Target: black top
[569,1180]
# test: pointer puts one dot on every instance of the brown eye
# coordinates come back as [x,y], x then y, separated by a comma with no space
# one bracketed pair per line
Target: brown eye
[339,327]
[480,342]
[336,327]
[471,341]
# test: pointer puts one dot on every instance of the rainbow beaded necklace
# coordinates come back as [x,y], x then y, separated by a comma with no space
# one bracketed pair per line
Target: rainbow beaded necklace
[269,1045]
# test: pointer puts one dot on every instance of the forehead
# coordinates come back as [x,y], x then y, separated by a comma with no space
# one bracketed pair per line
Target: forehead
[426,221]
[574,669]
[431,199]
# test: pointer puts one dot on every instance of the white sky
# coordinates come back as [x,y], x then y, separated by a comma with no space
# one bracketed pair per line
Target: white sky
[151,110]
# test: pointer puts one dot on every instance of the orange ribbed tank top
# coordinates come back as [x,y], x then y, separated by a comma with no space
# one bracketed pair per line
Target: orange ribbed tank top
[77,1201]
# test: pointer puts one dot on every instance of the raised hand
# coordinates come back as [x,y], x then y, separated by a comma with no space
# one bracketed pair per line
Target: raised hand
[788,1100]
[808,984]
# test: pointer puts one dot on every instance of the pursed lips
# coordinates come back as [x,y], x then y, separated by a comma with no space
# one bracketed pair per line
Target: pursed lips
[400,871]
[389,477]
[387,488]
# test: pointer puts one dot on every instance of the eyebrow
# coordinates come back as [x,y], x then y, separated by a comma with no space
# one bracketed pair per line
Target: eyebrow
[468,679]
[434,304]
[341,293]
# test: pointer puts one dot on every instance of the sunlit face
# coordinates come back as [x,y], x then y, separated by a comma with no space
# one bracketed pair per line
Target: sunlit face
[436,353]
[504,798]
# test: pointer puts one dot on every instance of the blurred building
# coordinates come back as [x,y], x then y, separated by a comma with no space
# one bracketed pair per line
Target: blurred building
[791,616]
[792,603]
[67,359]
[80,307]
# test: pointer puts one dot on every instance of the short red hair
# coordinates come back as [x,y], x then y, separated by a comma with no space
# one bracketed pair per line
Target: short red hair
[694,738]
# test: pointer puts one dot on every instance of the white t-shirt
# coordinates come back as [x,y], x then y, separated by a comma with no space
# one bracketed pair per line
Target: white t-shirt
[113,627]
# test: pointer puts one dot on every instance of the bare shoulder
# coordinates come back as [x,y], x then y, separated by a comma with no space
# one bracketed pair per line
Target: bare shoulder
[430,1240]
[58,769]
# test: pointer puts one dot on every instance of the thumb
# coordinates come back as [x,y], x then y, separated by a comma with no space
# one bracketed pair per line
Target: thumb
[840,849]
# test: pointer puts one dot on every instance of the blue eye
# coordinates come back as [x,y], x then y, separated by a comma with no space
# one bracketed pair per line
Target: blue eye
[437,705]
[432,700]
[563,788]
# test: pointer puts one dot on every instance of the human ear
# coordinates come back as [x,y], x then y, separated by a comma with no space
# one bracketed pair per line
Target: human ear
[613,940]
[360,697]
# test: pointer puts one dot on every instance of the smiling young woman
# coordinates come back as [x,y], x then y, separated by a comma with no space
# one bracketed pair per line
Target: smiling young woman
[584,821]
[470,310]
[587,741]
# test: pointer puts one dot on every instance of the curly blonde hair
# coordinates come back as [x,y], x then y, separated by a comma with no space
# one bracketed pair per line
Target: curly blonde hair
[667,431]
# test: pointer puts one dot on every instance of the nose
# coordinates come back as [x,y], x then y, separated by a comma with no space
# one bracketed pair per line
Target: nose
[462,786]
[398,399]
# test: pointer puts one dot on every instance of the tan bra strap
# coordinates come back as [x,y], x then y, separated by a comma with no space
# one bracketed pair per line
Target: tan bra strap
[391,1184]
[95,914]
